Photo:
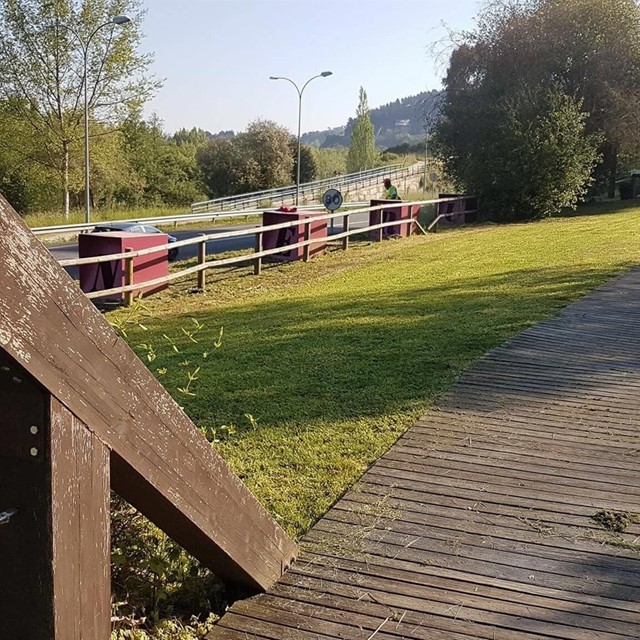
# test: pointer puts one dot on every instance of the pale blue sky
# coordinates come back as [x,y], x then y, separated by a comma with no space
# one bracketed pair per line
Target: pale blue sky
[216,57]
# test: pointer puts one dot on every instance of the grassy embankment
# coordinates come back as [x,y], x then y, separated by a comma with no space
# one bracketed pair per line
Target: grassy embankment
[334,359]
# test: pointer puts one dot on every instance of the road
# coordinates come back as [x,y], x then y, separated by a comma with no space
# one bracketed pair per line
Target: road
[70,251]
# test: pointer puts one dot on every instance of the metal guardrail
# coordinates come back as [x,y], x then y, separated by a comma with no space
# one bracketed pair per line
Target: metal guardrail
[202,211]
[184,218]
[309,188]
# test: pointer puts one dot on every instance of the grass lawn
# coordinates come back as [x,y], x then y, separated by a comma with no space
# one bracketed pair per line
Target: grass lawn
[334,359]
[76,216]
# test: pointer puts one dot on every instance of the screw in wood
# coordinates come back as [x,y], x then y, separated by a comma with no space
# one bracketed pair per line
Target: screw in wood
[33,430]
[33,451]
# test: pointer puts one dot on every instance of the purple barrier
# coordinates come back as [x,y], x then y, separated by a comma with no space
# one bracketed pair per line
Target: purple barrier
[395,211]
[109,275]
[462,210]
[293,235]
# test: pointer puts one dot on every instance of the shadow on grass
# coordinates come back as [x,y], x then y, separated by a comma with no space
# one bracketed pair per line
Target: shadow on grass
[305,360]
[600,208]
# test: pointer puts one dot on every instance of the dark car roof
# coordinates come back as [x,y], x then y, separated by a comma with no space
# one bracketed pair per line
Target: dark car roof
[118,226]
[129,226]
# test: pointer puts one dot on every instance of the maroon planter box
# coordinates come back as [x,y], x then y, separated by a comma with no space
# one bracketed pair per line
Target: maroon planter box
[462,211]
[108,275]
[293,235]
[395,211]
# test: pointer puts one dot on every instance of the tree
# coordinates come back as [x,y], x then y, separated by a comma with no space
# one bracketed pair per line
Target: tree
[594,47]
[362,152]
[221,166]
[308,167]
[256,159]
[587,49]
[330,162]
[527,156]
[266,159]
[168,173]
[42,52]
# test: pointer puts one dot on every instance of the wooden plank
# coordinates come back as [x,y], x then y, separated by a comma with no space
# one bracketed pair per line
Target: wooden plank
[486,508]
[533,488]
[559,559]
[158,457]
[486,446]
[55,580]
[502,468]
[81,525]
[382,583]
[422,626]
[26,578]
[414,529]
[499,475]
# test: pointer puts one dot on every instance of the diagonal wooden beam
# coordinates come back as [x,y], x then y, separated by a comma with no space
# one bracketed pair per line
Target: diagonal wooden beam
[160,461]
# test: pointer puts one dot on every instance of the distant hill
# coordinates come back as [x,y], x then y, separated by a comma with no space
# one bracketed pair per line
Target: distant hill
[399,122]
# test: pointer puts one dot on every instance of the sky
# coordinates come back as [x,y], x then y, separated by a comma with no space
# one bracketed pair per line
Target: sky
[216,56]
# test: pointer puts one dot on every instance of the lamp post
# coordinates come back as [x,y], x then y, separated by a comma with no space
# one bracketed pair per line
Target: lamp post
[324,74]
[116,20]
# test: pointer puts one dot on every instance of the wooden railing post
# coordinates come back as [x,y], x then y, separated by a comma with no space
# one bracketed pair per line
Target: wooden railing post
[307,236]
[55,579]
[128,278]
[202,259]
[381,230]
[257,265]
[345,229]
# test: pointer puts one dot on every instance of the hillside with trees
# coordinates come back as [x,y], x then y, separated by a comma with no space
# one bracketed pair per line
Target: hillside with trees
[403,121]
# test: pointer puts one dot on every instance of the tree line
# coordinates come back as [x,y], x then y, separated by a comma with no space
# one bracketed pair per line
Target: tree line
[50,52]
[541,104]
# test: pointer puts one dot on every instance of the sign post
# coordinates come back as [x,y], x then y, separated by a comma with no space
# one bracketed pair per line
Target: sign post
[332,200]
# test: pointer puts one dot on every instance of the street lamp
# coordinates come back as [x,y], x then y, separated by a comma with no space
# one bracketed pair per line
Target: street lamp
[116,20]
[324,74]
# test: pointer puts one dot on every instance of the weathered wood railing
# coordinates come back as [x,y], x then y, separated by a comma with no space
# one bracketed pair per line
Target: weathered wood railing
[80,414]
[259,252]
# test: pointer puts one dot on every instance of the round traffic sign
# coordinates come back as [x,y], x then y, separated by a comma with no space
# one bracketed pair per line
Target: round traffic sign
[332,199]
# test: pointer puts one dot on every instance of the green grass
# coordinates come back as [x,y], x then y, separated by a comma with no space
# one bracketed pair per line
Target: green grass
[334,359]
[47,219]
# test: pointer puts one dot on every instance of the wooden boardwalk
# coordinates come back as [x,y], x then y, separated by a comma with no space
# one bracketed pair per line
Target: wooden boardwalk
[479,522]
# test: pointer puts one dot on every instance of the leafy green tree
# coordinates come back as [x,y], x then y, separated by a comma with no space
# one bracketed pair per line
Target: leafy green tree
[42,47]
[588,49]
[330,162]
[256,159]
[362,152]
[194,137]
[308,168]
[221,167]
[167,175]
[266,158]
[526,155]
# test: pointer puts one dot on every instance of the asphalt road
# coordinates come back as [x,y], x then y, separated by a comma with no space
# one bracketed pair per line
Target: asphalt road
[70,251]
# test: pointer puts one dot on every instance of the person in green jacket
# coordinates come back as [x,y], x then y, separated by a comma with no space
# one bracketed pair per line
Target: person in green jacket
[391,193]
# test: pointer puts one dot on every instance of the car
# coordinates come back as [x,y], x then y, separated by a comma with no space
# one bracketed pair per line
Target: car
[137,227]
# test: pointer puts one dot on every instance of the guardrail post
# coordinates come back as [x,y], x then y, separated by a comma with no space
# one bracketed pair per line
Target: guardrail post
[381,230]
[345,229]
[257,266]
[307,236]
[202,259]
[128,278]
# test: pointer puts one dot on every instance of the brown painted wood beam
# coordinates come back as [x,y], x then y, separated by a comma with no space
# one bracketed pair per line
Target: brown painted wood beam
[55,576]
